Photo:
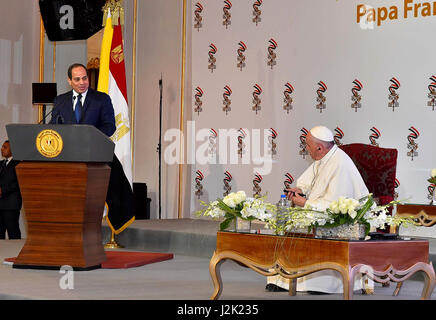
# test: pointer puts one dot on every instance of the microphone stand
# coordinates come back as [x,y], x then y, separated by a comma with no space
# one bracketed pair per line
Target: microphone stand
[159,147]
[44,115]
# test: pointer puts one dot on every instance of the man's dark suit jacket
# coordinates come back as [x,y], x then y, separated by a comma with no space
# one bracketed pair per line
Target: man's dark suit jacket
[97,111]
[11,196]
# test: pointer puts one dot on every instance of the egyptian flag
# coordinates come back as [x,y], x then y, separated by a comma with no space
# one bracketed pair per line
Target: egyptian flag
[112,80]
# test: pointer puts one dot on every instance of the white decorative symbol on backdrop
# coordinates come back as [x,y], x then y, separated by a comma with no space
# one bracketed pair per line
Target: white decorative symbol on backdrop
[198,102]
[271,54]
[257,12]
[212,59]
[393,95]
[227,15]
[356,97]
[241,144]
[397,184]
[320,98]
[198,18]
[303,151]
[227,102]
[256,100]
[212,142]
[271,142]
[256,185]
[227,179]
[288,99]
[412,145]
[241,56]
[339,134]
[374,136]
[432,93]
[198,185]
[288,181]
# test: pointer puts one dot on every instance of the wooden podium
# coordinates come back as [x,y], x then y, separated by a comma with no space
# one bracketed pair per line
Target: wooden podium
[63,177]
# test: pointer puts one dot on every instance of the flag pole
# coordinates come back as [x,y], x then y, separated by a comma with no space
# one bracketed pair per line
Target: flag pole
[112,244]
[41,63]
[182,107]
[159,148]
[132,105]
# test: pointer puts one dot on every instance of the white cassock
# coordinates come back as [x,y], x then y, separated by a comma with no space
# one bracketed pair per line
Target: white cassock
[326,180]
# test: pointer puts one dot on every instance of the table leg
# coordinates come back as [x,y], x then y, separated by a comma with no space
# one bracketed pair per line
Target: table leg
[214,269]
[397,289]
[429,281]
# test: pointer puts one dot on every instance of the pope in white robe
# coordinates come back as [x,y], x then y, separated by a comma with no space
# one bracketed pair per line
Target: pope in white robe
[333,174]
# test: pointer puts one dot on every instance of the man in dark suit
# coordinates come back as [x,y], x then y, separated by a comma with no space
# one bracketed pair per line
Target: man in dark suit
[10,196]
[83,105]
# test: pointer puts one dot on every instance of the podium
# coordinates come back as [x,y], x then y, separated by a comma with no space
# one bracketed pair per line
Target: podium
[63,177]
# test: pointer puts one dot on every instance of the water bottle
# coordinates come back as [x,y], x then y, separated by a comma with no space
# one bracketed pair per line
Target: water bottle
[282,210]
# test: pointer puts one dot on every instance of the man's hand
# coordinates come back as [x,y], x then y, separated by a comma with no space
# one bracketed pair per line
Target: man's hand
[298,200]
[291,192]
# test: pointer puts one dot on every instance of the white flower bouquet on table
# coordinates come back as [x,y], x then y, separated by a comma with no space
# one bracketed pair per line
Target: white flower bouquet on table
[237,205]
[344,211]
[432,180]
[433,176]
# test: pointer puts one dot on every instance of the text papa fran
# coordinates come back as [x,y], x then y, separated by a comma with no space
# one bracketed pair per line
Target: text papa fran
[410,9]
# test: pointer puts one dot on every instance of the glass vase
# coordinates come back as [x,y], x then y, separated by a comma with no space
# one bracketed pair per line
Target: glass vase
[242,225]
[433,199]
[345,231]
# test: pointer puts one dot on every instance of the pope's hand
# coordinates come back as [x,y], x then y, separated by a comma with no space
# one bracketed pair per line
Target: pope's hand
[291,192]
[298,200]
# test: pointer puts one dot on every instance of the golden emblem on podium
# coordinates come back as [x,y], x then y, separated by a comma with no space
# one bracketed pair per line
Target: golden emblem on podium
[49,143]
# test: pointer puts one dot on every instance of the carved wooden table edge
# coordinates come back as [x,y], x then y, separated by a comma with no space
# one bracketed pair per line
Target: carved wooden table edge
[398,276]
[270,270]
[424,214]
[347,272]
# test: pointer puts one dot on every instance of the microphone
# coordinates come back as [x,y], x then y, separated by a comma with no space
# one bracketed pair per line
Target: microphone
[45,117]
[57,116]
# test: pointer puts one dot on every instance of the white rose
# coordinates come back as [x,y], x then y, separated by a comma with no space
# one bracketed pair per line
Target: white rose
[334,207]
[352,214]
[230,200]
[343,208]
[240,197]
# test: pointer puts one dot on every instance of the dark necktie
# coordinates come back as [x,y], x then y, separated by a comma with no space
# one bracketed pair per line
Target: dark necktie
[78,108]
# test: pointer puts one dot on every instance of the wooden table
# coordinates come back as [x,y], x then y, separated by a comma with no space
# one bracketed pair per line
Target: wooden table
[424,214]
[294,257]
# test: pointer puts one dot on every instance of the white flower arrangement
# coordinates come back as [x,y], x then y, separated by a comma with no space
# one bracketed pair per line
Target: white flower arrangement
[341,212]
[238,205]
[433,176]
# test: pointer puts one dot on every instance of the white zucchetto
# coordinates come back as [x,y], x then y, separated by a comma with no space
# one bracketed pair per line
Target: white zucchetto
[322,133]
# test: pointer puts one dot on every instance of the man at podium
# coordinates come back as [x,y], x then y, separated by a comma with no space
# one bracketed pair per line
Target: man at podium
[83,105]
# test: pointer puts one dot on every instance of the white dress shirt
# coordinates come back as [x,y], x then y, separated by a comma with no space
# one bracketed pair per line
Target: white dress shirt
[75,94]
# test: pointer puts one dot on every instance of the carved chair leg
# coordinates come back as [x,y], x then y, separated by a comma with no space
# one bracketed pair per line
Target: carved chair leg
[397,289]
[366,289]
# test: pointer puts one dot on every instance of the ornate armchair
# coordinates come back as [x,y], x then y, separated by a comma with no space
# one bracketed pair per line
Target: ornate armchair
[377,167]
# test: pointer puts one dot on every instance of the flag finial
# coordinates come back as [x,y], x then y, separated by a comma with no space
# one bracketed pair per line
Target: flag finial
[116,9]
